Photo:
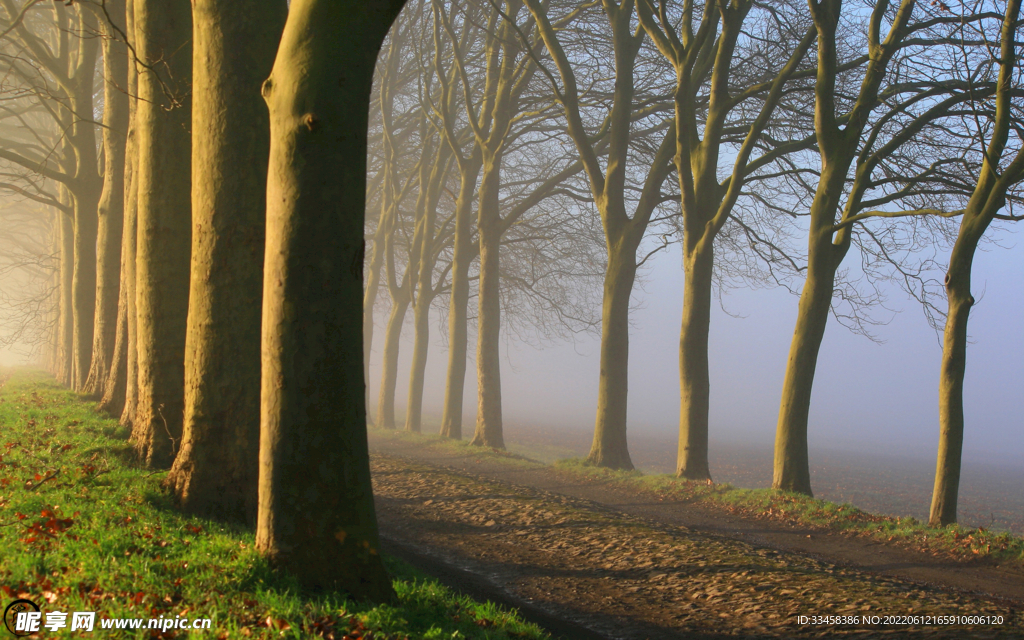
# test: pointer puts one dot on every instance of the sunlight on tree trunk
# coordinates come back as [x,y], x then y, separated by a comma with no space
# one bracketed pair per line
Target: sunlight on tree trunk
[316,513]
[111,204]
[216,472]
[163,40]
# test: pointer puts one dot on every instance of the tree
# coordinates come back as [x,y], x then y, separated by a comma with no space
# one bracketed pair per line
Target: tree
[464,250]
[1000,170]
[110,211]
[60,69]
[865,138]
[623,233]
[316,515]
[120,391]
[706,56]
[216,472]
[163,30]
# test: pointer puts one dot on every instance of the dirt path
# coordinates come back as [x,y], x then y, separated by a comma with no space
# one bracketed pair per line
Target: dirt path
[634,568]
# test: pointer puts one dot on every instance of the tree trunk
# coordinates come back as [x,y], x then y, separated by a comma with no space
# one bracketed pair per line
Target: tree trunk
[374,265]
[792,465]
[115,391]
[951,409]
[609,448]
[83,284]
[86,191]
[316,513]
[216,472]
[489,431]
[458,304]
[65,328]
[389,364]
[421,344]
[164,41]
[131,387]
[111,204]
[954,367]
[458,344]
[694,382]
[129,243]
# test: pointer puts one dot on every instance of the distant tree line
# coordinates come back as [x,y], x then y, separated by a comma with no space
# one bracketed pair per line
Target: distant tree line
[869,127]
[209,269]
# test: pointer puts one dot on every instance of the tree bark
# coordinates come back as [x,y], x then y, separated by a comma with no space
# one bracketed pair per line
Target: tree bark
[86,192]
[420,347]
[216,472]
[374,266]
[65,326]
[951,387]
[115,391]
[489,431]
[164,42]
[610,448]
[792,465]
[389,364]
[436,174]
[111,204]
[694,379]
[316,513]
[130,275]
[458,304]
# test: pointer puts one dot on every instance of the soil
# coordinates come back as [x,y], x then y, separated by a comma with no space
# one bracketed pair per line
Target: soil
[585,560]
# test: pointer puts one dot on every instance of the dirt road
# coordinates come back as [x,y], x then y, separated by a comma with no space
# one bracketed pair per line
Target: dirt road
[603,564]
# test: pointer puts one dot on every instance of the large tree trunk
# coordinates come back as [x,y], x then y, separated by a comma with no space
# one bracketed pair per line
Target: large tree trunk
[694,382]
[954,367]
[216,472]
[489,429]
[609,448]
[316,513]
[458,304]
[389,363]
[111,204]
[164,41]
[792,465]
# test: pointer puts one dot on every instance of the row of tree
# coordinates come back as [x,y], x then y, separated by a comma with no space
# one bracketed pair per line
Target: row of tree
[875,128]
[209,282]
[156,167]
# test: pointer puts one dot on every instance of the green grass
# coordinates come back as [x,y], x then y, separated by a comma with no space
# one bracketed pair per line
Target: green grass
[82,529]
[959,543]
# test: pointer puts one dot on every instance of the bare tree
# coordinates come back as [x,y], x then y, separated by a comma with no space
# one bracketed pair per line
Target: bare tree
[1002,168]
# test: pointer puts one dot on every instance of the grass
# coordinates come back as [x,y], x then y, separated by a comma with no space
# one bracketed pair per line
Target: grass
[82,529]
[959,543]
[956,542]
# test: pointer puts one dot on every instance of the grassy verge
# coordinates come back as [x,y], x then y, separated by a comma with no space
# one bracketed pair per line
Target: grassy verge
[956,542]
[81,529]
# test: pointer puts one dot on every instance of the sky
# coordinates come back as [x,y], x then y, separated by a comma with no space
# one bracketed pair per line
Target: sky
[868,397]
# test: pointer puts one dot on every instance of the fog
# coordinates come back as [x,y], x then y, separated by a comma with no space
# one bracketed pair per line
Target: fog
[870,397]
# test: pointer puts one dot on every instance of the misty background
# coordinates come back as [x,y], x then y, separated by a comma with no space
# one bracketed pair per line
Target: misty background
[870,397]
[874,414]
